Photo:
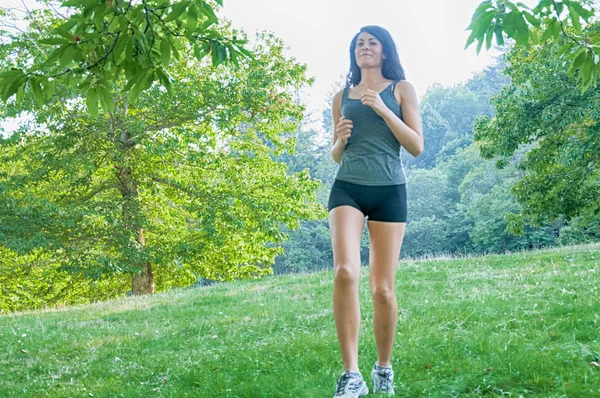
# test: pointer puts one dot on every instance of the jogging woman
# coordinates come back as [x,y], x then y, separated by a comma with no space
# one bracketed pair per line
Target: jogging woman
[374,116]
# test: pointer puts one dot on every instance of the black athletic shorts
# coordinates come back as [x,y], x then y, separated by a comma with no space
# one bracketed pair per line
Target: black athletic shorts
[378,203]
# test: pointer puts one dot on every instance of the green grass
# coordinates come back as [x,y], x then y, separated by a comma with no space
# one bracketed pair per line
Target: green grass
[525,324]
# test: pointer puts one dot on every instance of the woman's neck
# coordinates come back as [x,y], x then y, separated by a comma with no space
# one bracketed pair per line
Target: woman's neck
[371,77]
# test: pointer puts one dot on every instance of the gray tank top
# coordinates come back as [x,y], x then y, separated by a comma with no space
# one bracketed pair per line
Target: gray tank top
[372,155]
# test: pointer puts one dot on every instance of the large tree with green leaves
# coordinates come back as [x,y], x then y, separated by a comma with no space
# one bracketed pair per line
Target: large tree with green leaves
[545,111]
[551,106]
[175,176]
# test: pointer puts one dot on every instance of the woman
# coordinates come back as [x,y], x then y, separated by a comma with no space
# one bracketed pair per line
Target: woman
[373,117]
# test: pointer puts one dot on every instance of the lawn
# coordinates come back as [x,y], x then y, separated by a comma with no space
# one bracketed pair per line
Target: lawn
[524,324]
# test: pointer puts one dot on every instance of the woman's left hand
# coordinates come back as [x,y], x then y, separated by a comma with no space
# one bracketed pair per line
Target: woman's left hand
[371,98]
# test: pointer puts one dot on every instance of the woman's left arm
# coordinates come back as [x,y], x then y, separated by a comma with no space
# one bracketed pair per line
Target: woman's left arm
[409,132]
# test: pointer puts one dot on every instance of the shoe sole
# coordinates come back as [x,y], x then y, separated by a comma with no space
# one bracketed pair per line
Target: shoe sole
[364,391]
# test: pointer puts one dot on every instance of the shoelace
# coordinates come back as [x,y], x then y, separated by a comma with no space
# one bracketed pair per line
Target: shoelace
[385,382]
[346,378]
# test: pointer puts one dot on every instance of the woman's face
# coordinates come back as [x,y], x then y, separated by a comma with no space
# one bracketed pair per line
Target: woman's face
[368,51]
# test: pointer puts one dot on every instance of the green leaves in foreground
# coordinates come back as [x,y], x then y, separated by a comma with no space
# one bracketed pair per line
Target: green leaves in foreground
[102,42]
[560,21]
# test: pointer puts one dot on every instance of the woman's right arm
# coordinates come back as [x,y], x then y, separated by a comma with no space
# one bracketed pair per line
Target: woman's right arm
[342,128]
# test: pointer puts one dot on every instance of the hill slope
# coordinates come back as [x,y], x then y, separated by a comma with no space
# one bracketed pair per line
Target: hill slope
[525,324]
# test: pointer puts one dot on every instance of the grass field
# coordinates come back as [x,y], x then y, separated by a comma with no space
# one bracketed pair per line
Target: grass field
[525,324]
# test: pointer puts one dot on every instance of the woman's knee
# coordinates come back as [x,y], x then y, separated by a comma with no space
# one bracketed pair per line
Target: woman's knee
[383,294]
[346,272]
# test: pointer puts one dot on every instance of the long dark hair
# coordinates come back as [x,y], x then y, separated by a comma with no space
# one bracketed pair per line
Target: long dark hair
[390,67]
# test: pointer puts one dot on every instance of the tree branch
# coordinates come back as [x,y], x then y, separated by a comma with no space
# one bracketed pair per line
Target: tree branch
[173,184]
[562,28]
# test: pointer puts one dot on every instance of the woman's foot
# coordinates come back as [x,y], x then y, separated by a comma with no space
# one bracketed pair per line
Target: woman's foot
[351,385]
[383,379]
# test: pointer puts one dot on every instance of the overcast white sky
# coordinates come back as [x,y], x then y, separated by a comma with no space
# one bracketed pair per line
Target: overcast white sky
[430,35]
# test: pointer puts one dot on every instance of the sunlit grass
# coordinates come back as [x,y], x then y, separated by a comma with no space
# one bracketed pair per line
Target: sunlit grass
[524,324]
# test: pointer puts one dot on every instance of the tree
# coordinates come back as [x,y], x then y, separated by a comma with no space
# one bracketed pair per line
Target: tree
[551,104]
[428,204]
[169,184]
[544,110]
[93,43]
[559,21]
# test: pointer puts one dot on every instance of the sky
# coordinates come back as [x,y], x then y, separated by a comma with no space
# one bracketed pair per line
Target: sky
[430,36]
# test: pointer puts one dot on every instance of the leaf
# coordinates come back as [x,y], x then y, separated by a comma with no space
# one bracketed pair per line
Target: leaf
[54,55]
[549,32]
[141,85]
[20,94]
[120,47]
[564,48]
[165,80]
[532,20]
[556,30]
[522,35]
[470,39]
[558,7]
[54,41]
[192,18]
[37,90]
[72,3]
[12,86]
[245,52]
[499,36]
[579,59]
[178,9]
[91,101]
[206,24]
[123,24]
[106,99]
[214,54]
[48,89]
[574,19]
[99,18]
[208,11]
[484,23]
[200,52]
[479,44]
[586,73]
[510,24]
[583,12]
[489,37]
[129,50]
[481,9]
[67,56]
[165,51]
[541,5]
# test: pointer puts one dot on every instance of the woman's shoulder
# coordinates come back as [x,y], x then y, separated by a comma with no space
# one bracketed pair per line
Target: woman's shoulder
[337,98]
[404,86]
[404,89]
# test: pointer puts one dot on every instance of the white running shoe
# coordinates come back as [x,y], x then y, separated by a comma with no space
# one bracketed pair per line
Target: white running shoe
[383,379]
[351,385]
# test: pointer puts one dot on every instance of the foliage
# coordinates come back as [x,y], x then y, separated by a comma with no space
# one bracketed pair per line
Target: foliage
[544,112]
[34,281]
[94,43]
[550,20]
[176,185]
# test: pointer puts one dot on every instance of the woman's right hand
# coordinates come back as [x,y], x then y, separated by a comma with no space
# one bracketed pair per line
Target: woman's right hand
[343,130]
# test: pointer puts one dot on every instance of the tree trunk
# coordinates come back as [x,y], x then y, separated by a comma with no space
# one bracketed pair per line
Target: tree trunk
[143,281]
